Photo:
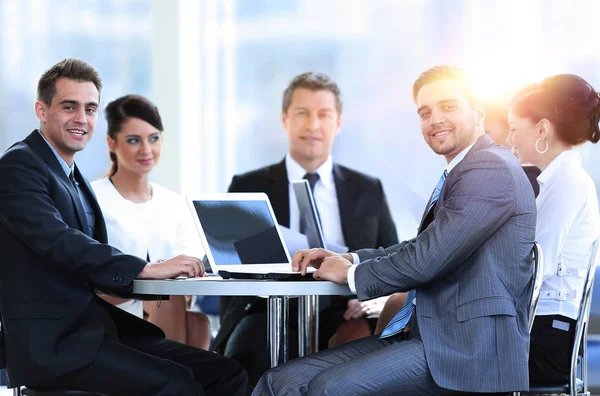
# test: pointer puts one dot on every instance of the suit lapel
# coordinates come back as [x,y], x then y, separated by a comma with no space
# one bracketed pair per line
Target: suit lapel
[37,143]
[427,216]
[347,194]
[483,142]
[278,192]
[100,233]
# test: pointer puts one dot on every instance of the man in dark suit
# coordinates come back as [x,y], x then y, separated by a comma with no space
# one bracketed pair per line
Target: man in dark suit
[352,207]
[57,332]
[468,273]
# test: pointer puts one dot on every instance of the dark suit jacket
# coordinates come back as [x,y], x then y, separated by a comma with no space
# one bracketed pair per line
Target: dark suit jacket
[364,213]
[52,319]
[472,271]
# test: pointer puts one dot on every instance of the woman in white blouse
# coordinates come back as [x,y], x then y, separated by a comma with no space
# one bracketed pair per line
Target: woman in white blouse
[143,218]
[547,121]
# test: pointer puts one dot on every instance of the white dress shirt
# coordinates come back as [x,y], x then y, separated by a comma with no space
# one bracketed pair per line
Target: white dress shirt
[325,196]
[159,228]
[356,260]
[567,225]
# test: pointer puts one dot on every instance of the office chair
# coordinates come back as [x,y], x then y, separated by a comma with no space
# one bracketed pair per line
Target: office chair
[575,386]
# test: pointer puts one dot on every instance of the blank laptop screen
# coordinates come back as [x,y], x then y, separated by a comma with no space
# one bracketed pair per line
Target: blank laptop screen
[240,232]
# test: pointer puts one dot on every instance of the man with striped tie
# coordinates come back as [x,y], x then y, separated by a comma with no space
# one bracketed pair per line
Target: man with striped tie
[468,273]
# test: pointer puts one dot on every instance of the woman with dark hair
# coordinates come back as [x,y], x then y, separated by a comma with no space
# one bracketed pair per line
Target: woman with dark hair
[143,218]
[546,122]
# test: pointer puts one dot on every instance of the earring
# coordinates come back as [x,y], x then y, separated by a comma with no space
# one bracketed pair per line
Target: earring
[537,149]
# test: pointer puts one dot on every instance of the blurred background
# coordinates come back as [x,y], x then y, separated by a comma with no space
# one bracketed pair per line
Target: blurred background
[217,68]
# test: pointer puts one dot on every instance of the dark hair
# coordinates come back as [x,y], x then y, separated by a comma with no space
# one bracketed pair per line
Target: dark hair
[71,68]
[314,82]
[568,102]
[120,110]
[443,72]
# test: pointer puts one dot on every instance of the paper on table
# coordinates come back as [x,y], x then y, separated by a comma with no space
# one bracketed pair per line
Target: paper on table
[197,278]
[296,241]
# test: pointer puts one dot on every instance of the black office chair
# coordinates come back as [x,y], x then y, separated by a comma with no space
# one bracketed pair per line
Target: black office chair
[575,386]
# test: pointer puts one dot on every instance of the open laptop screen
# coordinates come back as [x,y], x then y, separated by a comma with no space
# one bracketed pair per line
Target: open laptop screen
[240,232]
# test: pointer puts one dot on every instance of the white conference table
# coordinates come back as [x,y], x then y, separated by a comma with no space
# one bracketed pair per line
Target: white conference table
[278,293]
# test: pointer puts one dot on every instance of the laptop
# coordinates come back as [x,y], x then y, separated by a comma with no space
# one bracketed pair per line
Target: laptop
[241,237]
[308,213]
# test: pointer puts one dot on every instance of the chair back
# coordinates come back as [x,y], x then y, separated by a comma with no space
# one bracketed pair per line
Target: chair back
[538,276]
[580,340]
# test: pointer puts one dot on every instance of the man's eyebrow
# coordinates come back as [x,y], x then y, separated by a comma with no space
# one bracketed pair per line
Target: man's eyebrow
[422,108]
[446,101]
[74,102]
[438,103]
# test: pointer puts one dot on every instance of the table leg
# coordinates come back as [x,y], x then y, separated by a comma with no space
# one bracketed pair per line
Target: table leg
[314,324]
[308,325]
[278,323]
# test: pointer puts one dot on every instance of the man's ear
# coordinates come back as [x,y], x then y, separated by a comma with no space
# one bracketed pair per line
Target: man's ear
[40,110]
[479,114]
[339,124]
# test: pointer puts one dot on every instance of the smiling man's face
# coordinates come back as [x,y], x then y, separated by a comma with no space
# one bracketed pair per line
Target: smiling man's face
[448,121]
[69,121]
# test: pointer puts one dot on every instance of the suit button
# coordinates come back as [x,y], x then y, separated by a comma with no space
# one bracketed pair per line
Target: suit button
[248,306]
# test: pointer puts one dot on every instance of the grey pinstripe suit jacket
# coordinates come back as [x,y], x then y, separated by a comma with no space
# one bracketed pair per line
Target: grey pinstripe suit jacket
[472,269]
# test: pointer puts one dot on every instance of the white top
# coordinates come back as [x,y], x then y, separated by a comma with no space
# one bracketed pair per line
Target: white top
[325,196]
[356,260]
[159,228]
[567,225]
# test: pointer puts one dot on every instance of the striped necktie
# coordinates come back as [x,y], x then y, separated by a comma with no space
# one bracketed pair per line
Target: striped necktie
[400,320]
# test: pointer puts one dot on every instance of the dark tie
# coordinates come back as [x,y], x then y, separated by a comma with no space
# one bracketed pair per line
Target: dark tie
[111,331]
[312,178]
[72,178]
[400,320]
[87,208]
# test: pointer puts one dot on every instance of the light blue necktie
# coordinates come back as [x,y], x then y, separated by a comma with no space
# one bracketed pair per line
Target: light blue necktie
[400,320]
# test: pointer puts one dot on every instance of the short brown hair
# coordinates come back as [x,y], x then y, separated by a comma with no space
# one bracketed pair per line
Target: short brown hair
[71,68]
[314,82]
[444,72]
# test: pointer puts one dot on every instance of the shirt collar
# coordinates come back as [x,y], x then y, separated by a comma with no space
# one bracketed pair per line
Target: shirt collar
[63,164]
[459,157]
[296,172]
[562,160]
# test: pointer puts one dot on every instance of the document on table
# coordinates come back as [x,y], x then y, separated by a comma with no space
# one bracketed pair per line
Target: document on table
[197,278]
[296,241]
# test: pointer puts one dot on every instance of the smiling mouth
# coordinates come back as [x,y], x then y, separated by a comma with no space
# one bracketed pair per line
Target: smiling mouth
[441,134]
[76,132]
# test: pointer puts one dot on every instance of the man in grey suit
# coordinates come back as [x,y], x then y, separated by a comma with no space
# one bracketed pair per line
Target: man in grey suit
[469,270]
